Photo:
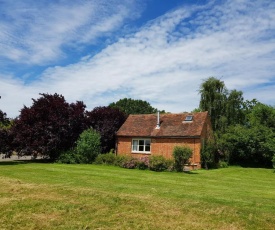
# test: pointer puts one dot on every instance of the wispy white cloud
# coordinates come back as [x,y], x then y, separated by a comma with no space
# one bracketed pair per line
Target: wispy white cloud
[165,61]
[35,32]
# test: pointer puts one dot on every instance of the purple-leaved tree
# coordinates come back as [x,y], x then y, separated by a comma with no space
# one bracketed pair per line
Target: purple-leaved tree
[49,126]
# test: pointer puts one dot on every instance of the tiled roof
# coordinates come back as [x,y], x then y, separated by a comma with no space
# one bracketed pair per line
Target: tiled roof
[171,125]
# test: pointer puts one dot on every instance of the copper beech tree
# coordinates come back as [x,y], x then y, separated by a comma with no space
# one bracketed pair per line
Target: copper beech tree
[49,126]
[106,121]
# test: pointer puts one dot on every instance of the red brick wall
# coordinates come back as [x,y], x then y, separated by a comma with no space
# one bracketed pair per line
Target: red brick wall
[162,146]
[124,146]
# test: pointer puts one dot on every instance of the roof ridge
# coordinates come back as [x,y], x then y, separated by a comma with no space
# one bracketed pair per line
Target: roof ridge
[169,113]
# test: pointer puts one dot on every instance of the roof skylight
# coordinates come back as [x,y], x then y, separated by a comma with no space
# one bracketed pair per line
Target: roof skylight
[188,118]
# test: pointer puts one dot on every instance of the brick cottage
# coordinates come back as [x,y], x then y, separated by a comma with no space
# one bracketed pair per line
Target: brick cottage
[157,134]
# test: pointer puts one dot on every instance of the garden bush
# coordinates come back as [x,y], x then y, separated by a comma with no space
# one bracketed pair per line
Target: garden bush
[107,159]
[69,157]
[210,155]
[120,159]
[170,165]
[181,156]
[88,145]
[129,162]
[223,164]
[143,163]
[158,163]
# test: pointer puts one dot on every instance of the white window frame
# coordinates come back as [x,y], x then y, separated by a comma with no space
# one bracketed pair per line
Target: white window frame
[136,148]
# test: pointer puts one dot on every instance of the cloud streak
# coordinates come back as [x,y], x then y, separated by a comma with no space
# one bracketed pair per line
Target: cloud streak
[36,32]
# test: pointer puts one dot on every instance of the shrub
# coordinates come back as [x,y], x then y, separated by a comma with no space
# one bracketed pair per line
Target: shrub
[88,145]
[129,162]
[69,157]
[107,159]
[143,163]
[170,165]
[181,155]
[273,161]
[120,159]
[223,164]
[209,155]
[158,163]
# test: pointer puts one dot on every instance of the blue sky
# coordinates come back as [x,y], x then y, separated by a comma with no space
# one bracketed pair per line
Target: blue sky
[100,51]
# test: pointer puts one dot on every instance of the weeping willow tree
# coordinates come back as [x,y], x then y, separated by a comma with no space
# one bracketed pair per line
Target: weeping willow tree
[225,107]
[213,99]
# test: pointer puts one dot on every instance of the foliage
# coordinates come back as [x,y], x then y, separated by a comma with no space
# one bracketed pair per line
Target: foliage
[209,155]
[225,107]
[213,95]
[262,114]
[234,112]
[4,120]
[273,161]
[120,159]
[132,106]
[107,159]
[143,163]
[251,144]
[49,126]
[223,164]
[154,163]
[244,130]
[128,162]
[106,121]
[158,163]
[246,146]
[69,157]
[181,156]
[88,145]
[5,134]
[196,110]
[6,141]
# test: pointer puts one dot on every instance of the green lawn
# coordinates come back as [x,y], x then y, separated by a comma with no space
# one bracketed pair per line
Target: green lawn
[55,196]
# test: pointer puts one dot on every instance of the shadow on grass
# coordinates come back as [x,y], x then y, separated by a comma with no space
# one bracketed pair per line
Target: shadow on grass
[191,172]
[18,162]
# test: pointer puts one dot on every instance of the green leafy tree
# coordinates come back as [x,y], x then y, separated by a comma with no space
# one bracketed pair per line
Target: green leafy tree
[209,155]
[244,130]
[4,120]
[248,105]
[213,99]
[253,142]
[225,107]
[234,108]
[88,146]
[5,134]
[248,146]
[262,114]
[132,106]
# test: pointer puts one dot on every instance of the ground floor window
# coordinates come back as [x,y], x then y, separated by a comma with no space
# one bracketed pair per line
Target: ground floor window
[141,145]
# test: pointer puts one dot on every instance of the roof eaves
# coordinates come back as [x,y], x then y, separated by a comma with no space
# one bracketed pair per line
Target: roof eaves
[168,137]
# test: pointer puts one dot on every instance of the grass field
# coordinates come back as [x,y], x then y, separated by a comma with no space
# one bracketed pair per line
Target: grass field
[55,196]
